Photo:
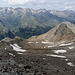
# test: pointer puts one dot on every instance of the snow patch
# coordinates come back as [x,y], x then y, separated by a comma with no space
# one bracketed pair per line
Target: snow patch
[70,64]
[17,48]
[59,56]
[32,42]
[51,12]
[66,44]
[47,42]
[17,45]
[66,59]
[59,51]
[50,46]
[11,54]
[5,48]
[29,42]
[44,58]
[44,47]
[71,47]
[20,53]
[36,42]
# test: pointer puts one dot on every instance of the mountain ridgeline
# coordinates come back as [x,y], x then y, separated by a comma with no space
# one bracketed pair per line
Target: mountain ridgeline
[25,22]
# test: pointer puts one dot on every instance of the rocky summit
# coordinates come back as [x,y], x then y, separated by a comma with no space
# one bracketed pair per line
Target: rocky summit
[52,53]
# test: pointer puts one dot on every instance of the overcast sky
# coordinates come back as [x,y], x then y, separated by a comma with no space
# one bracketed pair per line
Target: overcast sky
[37,4]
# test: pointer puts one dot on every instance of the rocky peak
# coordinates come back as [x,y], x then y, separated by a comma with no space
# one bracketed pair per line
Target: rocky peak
[64,31]
[64,28]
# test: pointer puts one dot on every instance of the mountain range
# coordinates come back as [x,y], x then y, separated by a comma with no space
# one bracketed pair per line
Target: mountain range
[25,22]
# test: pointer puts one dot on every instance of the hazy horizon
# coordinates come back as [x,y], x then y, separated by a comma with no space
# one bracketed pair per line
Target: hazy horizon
[40,4]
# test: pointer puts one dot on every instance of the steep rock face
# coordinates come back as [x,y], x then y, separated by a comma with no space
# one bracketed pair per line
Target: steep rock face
[3,29]
[5,32]
[63,31]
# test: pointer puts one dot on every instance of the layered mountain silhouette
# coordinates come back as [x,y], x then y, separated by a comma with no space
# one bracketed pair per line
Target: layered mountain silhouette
[63,31]
[25,22]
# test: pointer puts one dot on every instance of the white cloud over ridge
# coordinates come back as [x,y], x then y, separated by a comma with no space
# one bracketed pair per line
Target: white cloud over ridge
[37,4]
[14,2]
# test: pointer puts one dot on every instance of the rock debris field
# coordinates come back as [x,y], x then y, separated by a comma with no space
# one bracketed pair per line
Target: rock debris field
[16,59]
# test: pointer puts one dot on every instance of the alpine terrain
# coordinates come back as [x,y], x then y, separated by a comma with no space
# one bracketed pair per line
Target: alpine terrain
[51,53]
